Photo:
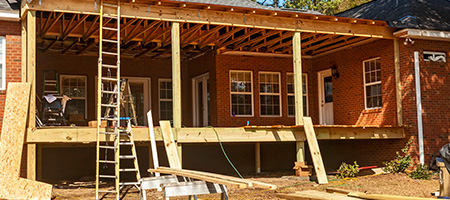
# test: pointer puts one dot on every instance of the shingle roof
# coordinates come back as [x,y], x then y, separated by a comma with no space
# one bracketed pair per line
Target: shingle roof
[418,14]
[9,5]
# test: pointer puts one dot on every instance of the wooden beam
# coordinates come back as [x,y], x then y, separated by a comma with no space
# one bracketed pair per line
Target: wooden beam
[170,145]
[315,151]
[176,75]
[138,24]
[45,29]
[31,65]
[326,40]
[69,30]
[50,45]
[148,50]
[144,30]
[398,83]
[298,83]
[240,38]
[88,46]
[89,30]
[281,45]
[131,47]
[207,34]
[223,38]
[214,17]
[70,46]
[24,70]
[347,42]
[266,34]
[273,41]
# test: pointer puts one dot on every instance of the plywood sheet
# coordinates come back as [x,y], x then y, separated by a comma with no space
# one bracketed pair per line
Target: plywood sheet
[315,151]
[170,145]
[13,130]
[19,188]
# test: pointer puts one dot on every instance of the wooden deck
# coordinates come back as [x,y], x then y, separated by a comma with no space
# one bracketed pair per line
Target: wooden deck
[228,134]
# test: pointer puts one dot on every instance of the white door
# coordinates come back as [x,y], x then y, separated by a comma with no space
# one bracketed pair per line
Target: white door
[200,100]
[325,97]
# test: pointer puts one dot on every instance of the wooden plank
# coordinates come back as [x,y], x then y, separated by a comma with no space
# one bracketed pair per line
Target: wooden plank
[153,147]
[176,75]
[398,83]
[19,188]
[384,196]
[315,151]
[31,64]
[31,161]
[199,177]
[258,157]
[170,145]
[24,50]
[314,195]
[13,129]
[298,84]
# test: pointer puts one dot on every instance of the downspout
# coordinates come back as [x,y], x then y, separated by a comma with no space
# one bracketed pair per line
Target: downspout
[419,107]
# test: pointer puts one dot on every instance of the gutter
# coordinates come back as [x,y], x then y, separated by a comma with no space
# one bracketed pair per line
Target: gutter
[419,107]
[9,16]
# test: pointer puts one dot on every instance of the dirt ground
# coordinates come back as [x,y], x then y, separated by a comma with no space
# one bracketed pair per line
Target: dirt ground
[394,184]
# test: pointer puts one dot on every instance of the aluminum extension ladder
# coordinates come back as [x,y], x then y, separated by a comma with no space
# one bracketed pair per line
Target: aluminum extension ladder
[109,75]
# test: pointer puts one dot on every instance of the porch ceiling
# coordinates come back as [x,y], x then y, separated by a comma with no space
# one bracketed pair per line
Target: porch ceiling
[75,33]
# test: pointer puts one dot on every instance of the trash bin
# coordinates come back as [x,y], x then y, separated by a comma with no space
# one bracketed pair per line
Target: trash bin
[444,178]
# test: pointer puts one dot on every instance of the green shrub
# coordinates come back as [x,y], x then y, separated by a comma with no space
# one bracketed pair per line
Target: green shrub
[348,170]
[421,172]
[401,163]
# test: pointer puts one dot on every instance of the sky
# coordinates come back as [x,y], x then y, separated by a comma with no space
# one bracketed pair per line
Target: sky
[269,2]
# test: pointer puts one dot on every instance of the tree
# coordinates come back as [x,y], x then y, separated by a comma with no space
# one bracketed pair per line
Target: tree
[328,7]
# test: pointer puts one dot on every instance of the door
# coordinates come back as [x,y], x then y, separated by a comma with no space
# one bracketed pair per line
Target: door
[200,94]
[325,97]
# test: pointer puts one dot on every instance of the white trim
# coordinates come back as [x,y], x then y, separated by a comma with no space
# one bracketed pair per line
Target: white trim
[419,107]
[204,78]
[423,34]
[370,84]
[305,94]
[159,96]
[231,93]
[9,16]
[270,94]
[3,87]
[321,91]
[85,98]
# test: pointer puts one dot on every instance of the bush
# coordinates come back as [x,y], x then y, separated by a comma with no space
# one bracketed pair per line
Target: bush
[348,170]
[421,172]
[401,163]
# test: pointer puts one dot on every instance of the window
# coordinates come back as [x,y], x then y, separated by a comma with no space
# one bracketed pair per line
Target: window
[74,86]
[241,93]
[434,56]
[270,95]
[372,83]
[165,99]
[2,63]
[291,95]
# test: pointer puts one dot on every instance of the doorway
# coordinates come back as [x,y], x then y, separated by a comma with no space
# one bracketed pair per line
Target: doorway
[325,97]
[200,100]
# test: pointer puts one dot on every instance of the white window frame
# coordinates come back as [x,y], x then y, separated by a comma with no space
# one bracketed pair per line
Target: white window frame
[369,84]
[305,78]
[231,93]
[61,77]
[159,96]
[435,54]
[270,94]
[3,63]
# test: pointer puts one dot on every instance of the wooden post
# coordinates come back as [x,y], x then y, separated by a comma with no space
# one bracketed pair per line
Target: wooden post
[176,82]
[24,50]
[398,83]
[258,157]
[31,161]
[298,91]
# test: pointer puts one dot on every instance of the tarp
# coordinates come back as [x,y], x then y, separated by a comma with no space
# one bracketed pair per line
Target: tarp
[445,155]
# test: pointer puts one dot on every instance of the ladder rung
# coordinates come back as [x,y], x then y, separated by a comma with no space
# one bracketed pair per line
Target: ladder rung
[109,28]
[125,131]
[107,176]
[109,118]
[50,91]
[125,143]
[129,183]
[127,157]
[107,133]
[50,84]
[109,53]
[110,5]
[109,105]
[50,81]
[109,92]
[108,40]
[109,79]
[107,191]
[128,170]
[109,66]
[107,147]
[107,161]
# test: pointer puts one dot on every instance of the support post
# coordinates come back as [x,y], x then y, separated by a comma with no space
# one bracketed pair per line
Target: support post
[31,161]
[31,65]
[419,107]
[258,157]
[298,91]
[398,83]
[23,72]
[176,82]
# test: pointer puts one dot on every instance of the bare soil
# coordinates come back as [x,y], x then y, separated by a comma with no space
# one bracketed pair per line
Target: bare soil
[394,184]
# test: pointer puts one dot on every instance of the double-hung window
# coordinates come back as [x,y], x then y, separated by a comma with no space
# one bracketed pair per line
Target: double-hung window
[372,83]
[74,86]
[270,93]
[241,93]
[2,63]
[291,94]
[165,99]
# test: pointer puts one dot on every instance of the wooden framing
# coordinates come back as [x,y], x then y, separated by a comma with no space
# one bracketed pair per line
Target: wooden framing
[176,75]
[398,83]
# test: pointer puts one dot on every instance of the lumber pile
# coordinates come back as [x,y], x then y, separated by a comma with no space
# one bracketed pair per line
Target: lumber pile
[11,145]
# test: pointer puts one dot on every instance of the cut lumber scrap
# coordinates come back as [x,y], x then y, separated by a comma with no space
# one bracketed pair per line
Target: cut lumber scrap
[180,172]
[315,151]
[383,196]
[11,146]
[249,183]
[170,145]
[13,130]
[337,190]
[314,195]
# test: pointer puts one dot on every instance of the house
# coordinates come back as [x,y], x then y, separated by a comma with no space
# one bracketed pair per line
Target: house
[234,70]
